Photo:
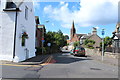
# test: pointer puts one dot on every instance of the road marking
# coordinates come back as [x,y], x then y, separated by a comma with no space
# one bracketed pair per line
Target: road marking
[47,61]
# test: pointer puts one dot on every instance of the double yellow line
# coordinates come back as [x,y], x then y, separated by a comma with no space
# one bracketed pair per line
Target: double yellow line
[48,60]
[20,65]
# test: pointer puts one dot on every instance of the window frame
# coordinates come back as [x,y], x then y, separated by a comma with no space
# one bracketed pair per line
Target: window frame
[26,12]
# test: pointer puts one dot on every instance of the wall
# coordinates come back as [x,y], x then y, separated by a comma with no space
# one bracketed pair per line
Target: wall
[96,39]
[8,27]
[98,53]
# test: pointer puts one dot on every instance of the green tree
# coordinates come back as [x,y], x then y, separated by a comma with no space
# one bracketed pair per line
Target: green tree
[76,43]
[66,37]
[107,42]
[57,39]
[89,43]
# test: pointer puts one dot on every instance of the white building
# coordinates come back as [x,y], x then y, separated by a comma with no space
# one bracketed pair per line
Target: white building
[17,30]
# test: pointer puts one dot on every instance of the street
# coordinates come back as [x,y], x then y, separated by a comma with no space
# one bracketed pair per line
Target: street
[62,65]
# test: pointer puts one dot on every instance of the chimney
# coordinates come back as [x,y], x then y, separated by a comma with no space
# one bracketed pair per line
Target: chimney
[94,30]
[89,34]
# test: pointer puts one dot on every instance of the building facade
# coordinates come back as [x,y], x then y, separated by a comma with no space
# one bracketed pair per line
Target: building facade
[82,37]
[116,39]
[18,31]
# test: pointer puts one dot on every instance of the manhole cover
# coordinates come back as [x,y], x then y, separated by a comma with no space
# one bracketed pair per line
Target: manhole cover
[95,69]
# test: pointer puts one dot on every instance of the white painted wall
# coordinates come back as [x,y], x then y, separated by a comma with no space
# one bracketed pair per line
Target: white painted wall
[0,29]
[8,27]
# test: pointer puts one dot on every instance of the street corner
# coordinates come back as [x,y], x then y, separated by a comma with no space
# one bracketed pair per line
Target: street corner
[45,61]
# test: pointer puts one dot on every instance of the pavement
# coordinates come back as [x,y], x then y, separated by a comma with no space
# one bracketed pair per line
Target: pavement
[106,59]
[31,61]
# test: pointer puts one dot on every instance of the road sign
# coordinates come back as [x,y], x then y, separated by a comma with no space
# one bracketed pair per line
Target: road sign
[42,38]
[43,41]
[103,32]
[49,44]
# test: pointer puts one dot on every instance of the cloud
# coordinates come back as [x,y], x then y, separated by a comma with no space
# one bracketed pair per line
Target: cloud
[91,13]
[62,2]
[53,24]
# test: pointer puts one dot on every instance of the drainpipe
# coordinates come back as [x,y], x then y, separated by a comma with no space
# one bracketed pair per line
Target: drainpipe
[14,47]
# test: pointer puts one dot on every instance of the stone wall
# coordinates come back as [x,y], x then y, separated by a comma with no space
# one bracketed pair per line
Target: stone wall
[97,52]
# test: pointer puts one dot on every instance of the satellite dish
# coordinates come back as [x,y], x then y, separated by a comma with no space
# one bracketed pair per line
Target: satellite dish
[18,2]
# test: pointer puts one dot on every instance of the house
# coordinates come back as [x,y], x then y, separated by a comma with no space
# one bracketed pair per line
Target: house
[116,39]
[37,32]
[18,30]
[92,36]
[40,33]
[82,37]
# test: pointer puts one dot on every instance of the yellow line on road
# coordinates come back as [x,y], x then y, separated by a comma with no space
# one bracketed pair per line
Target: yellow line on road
[48,60]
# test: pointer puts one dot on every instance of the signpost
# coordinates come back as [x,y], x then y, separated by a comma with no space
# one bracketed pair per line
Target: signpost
[103,33]
[49,44]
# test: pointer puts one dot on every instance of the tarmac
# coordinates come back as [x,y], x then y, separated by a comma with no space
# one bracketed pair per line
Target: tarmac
[42,58]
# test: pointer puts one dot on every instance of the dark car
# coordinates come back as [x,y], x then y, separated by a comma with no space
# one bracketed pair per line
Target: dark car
[78,51]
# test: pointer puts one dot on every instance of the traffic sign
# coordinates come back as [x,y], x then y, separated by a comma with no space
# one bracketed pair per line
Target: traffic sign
[103,32]
[42,38]
[49,44]
[43,41]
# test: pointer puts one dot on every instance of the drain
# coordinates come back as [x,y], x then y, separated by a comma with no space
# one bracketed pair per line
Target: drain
[95,69]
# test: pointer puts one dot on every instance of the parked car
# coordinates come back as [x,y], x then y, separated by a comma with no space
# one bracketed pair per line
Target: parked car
[72,51]
[78,51]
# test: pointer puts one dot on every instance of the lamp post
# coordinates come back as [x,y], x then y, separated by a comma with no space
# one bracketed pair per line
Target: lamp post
[103,33]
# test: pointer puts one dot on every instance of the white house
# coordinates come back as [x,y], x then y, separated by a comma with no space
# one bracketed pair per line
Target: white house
[17,30]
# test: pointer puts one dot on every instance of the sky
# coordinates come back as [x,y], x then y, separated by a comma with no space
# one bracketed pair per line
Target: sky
[86,14]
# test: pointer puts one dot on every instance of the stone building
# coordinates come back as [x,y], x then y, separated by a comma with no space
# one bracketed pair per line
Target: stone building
[82,37]
[92,36]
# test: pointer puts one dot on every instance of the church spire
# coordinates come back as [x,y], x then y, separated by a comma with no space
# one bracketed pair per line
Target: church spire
[73,31]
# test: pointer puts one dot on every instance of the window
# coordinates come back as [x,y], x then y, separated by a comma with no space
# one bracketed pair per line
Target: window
[26,13]
[119,30]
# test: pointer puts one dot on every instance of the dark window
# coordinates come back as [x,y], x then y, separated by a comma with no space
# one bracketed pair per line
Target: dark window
[26,12]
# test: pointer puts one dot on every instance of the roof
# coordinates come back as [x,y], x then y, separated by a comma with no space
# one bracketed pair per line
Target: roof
[80,35]
[116,35]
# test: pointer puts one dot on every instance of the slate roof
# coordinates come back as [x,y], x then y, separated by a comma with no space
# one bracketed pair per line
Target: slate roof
[118,35]
[80,35]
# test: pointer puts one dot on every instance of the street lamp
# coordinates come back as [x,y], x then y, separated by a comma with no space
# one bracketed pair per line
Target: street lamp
[103,33]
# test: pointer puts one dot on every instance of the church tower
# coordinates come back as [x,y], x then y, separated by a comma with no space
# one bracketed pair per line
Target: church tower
[73,31]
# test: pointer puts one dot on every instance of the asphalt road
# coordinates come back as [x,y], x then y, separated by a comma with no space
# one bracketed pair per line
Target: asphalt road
[62,65]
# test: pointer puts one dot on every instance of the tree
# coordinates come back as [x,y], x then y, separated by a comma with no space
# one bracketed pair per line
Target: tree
[57,39]
[76,43]
[66,37]
[89,43]
[107,42]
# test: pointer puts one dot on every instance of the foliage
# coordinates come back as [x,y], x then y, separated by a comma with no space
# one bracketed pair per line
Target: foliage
[89,43]
[57,39]
[76,43]
[66,37]
[107,42]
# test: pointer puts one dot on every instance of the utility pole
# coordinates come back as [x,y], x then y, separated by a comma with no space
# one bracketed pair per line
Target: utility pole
[103,32]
